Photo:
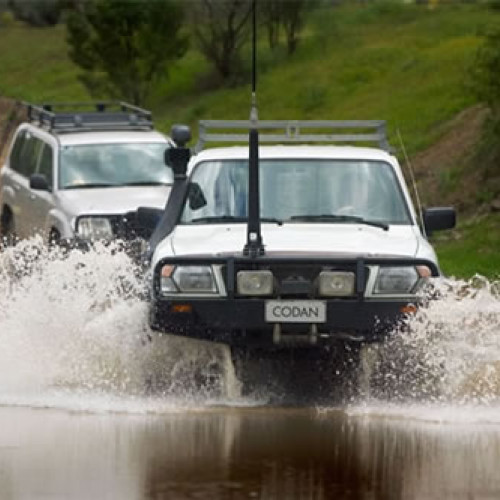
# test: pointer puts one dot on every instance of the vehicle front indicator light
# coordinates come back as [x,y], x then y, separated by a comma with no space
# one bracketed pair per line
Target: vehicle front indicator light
[256,283]
[424,271]
[167,284]
[336,283]
[408,309]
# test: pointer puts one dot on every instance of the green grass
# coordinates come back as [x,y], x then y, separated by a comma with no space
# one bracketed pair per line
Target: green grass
[34,65]
[403,63]
[472,248]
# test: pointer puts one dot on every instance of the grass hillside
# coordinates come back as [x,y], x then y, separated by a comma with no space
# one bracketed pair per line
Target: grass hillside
[406,64]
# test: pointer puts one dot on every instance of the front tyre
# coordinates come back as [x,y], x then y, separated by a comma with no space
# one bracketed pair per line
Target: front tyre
[298,376]
[7,228]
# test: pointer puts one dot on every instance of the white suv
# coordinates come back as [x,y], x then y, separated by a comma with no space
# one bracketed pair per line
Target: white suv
[73,172]
[334,251]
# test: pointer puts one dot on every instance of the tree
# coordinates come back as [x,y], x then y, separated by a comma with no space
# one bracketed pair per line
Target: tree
[485,73]
[486,85]
[286,14]
[293,15]
[124,47]
[271,16]
[221,27]
[37,13]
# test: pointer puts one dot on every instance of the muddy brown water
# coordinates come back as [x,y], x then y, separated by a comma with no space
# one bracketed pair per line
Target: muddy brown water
[233,453]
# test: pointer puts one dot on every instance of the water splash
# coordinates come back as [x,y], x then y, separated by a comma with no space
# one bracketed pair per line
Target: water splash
[448,353]
[76,323]
[73,326]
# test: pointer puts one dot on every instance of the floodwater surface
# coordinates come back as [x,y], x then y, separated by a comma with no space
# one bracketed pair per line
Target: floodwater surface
[232,453]
[78,418]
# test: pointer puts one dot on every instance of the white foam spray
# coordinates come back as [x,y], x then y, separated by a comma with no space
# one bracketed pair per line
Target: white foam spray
[446,356]
[74,333]
[73,329]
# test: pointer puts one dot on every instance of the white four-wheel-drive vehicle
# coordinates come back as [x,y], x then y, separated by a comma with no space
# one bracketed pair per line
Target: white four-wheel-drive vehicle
[73,172]
[321,244]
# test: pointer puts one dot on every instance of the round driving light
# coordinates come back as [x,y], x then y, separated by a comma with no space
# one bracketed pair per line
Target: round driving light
[255,282]
[336,283]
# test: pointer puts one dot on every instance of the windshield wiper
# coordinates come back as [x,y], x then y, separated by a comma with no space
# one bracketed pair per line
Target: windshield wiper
[90,185]
[340,218]
[232,218]
[145,183]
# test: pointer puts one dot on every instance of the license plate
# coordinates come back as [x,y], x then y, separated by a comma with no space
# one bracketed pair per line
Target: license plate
[295,311]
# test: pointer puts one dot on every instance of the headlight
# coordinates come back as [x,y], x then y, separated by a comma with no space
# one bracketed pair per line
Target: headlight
[94,228]
[336,283]
[391,280]
[255,282]
[187,279]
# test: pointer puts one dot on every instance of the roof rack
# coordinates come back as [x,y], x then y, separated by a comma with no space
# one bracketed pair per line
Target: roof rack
[85,116]
[290,131]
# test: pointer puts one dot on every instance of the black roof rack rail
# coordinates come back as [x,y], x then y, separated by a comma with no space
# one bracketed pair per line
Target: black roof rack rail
[88,116]
[291,131]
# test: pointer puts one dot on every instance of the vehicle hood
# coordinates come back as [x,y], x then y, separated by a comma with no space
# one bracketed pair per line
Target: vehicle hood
[115,200]
[337,239]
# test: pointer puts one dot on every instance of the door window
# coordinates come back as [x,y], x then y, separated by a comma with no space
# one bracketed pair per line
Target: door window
[15,155]
[29,155]
[45,166]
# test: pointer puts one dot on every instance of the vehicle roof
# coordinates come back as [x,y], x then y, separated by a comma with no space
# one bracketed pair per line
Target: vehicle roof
[301,151]
[106,136]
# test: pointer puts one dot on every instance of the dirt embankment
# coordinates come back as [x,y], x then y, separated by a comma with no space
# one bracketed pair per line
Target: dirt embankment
[450,171]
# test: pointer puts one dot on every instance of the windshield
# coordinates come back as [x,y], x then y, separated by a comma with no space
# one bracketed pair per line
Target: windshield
[111,165]
[305,190]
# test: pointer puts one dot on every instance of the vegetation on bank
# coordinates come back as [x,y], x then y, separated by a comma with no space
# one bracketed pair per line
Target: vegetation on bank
[408,64]
[472,248]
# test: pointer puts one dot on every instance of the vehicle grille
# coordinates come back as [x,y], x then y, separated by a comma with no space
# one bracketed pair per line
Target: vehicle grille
[125,227]
[292,279]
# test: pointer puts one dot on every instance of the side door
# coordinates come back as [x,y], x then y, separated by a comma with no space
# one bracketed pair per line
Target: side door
[15,183]
[25,163]
[42,201]
[10,178]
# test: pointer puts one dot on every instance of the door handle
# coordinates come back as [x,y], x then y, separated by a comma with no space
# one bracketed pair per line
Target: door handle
[17,187]
[32,197]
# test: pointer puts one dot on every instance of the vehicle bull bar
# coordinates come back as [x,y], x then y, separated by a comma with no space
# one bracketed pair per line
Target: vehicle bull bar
[232,263]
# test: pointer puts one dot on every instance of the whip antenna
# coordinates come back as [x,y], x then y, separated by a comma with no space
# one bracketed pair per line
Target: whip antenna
[254,245]
[413,181]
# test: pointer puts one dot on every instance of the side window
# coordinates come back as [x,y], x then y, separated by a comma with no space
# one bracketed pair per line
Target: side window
[30,152]
[45,166]
[15,154]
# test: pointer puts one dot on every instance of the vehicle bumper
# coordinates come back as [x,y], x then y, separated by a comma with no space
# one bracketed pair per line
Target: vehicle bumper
[242,321]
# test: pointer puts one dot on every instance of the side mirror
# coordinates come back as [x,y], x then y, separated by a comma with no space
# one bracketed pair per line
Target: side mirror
[437,219]
[148,217]
[196,197]
[39,182]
